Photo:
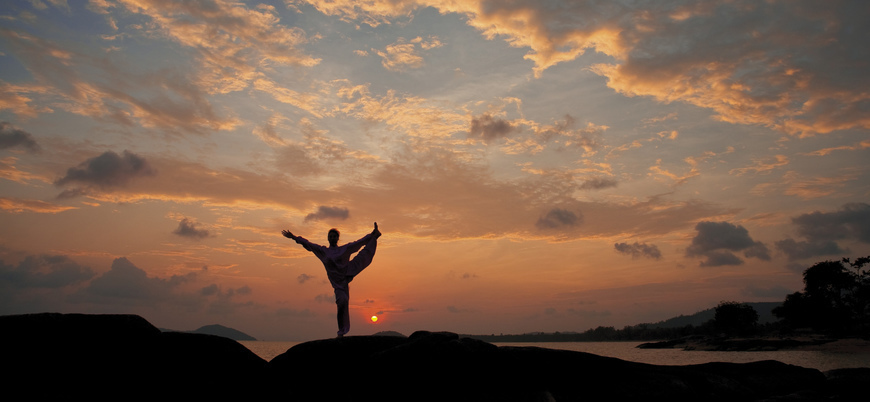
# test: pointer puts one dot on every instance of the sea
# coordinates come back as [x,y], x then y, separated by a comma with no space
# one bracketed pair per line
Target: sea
[820,360]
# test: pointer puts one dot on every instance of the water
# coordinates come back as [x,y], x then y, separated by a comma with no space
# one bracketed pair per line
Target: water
[820,360]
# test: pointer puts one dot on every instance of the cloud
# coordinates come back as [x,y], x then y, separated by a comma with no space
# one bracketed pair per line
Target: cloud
[587,138]
[127,284]
[822,230]
[558,217]
[169,101]
[597,183]
[302,278]
[43,271]
[319,154]
[229,38]
[13,137]
[773,66]
[798,250]
[489,128]
[11,204]
[636,250]
[324,212]
[400,56]
[8,171]
[188,228]
[106,171]
[716,241]
[765,63]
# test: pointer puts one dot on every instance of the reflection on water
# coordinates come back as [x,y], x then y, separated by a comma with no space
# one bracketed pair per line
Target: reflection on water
[675,357]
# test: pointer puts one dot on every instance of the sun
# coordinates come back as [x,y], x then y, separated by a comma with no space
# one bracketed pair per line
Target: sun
[374,318]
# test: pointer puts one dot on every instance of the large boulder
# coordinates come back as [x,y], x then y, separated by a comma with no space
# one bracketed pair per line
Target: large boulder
[119,356]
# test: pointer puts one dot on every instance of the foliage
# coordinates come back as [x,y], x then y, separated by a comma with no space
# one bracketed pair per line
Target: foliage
[735,318]
[836,298]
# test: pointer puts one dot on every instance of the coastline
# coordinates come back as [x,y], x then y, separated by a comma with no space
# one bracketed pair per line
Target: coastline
[805,343]
[844,345]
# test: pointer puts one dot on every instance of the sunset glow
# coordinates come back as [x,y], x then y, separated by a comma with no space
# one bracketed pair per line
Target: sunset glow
[533,166]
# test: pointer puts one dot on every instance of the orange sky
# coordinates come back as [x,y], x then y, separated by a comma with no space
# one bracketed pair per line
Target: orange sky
[534,166]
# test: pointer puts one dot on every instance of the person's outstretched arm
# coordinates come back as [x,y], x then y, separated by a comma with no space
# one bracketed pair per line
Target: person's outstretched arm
[314,248]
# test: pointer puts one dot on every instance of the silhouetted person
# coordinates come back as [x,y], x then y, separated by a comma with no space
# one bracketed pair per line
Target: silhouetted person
[340,268]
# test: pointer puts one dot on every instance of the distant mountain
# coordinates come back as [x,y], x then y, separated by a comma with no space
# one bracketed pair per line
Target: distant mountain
[223,331]
[764,310]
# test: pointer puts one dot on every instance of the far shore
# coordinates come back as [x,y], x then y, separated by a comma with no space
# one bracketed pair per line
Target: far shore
[845,345]
[805,343]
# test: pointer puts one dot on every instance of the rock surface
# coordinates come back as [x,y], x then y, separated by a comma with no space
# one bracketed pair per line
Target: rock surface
[125,357]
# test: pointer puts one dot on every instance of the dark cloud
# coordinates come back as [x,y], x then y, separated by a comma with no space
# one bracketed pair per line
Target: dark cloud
[13,137]
[822,230]
[105,171]
[851,221]
[328,213]
[302,278]
[457,310]
[798,250]
[125,283]
[637,250]
[190,229]
[597,183]
[210,290]
[717,242]
[43,271]
[558,217]
[489,128]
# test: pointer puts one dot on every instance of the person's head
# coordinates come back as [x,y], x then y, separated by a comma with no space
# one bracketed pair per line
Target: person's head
[332,236]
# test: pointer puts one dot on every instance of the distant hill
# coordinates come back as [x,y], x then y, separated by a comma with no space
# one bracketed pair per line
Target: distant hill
[764,310]
[670,328]
[219,330]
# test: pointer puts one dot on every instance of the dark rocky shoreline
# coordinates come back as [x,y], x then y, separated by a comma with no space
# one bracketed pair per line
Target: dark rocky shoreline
[123,356]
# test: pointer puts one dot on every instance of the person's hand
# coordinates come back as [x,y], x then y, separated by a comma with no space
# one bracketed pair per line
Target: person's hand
[288,235]
[376,232]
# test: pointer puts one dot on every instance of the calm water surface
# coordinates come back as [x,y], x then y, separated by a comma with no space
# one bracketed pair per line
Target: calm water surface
[675,357]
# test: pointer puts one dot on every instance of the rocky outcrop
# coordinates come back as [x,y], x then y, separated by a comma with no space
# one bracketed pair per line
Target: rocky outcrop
[442,366]
[119,357]
[115,357]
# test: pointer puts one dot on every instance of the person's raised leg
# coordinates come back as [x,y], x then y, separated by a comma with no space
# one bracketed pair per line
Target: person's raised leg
[363,258]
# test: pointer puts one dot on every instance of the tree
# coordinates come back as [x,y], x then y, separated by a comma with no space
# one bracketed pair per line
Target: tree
[735,318]
[836,298]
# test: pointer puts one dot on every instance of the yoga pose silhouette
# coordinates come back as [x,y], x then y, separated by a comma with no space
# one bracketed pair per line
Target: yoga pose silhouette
[340,268]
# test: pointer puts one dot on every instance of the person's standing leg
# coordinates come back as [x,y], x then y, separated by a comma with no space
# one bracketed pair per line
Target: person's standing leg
[342,299]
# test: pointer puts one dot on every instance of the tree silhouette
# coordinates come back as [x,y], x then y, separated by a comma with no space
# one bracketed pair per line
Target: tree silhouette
[836,298]
[735,318]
